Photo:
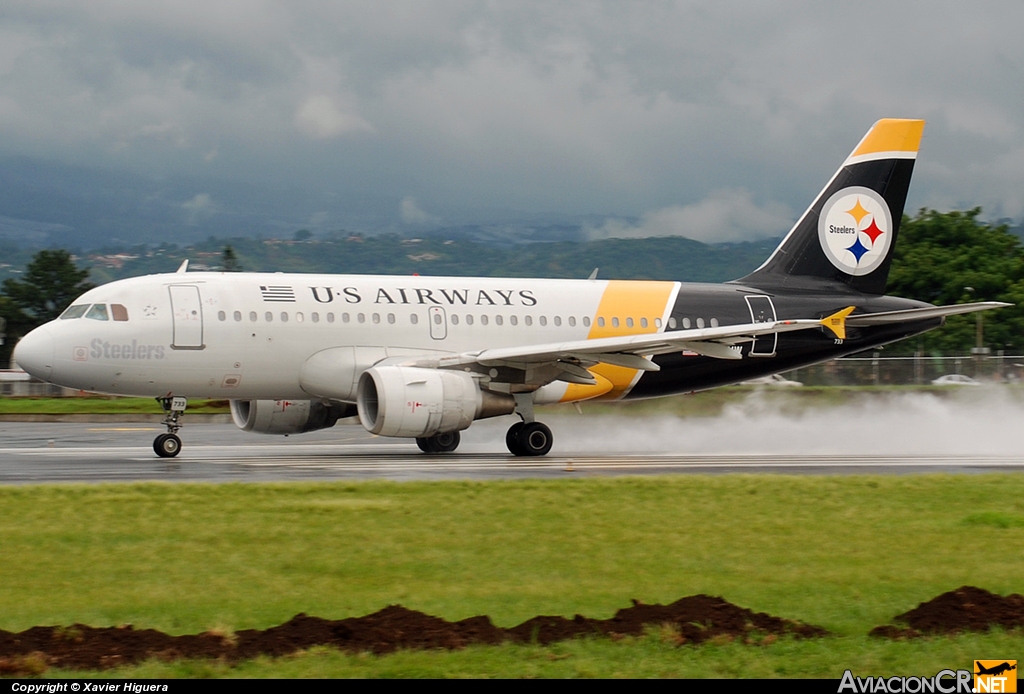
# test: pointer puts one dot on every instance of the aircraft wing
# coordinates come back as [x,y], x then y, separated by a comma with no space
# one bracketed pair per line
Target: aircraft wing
[912,314]
[568,361]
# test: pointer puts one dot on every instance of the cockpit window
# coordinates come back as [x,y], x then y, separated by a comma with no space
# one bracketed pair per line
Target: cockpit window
[119,312]
[76,311]
[98,312]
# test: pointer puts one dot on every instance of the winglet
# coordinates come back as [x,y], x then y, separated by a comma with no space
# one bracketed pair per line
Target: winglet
[837,322]
[183,267]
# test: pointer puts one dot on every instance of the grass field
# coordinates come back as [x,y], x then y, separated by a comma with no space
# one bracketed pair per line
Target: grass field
[97,404]
[707,403]
[845,553]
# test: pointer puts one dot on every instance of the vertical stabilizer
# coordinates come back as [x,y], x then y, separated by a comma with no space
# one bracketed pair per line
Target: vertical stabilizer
[847,236]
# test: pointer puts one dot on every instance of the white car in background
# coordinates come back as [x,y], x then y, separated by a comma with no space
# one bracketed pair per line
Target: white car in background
[775,380]
[955,380]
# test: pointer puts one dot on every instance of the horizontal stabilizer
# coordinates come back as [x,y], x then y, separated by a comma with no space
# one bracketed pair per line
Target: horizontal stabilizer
[912,314]
[837,322]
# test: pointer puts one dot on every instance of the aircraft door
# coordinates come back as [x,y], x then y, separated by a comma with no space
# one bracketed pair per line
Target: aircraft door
[438,322]
[762,310]
[187,315]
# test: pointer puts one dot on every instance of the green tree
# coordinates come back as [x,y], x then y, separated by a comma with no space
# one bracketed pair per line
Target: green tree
[51,282]
[229,261]
[954,258]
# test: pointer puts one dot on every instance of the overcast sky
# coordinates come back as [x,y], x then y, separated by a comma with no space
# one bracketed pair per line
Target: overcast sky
[714,120]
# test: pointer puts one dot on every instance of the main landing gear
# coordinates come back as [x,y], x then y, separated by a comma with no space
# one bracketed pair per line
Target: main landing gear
[169,445]
[528,437]
[441,443]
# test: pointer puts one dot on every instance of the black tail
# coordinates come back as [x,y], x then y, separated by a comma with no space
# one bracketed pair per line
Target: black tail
[847,236]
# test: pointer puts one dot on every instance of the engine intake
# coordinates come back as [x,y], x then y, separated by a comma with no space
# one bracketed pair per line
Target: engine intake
[415,402]
[287,416]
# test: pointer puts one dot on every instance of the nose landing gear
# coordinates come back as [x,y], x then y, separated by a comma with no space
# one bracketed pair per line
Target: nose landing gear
[169,445]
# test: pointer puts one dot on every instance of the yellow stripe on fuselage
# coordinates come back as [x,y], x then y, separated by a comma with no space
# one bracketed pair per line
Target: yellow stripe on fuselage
[622,301]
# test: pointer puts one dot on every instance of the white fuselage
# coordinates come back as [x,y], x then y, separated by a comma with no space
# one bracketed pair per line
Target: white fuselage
[248,335]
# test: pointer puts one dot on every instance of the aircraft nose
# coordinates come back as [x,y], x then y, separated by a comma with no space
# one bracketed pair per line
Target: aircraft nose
[34,353]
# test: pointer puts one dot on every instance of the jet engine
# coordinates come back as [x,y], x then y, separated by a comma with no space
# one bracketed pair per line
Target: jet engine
[416,402]
[287,416]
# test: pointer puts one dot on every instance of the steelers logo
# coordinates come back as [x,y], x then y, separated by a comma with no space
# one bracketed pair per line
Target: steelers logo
[855,230]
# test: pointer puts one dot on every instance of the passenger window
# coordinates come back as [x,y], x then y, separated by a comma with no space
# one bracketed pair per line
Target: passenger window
[376,318]
[643,322]
[700,322]
[586,321]
[284,316]
[253,316]
[469,319]
[330,317]
[315,317]
[629,322]
[572,321]
[414,319]
[119,312]
[345,318]
[98,312]
[391,318]
[483,319]
[686,323]
[221,316]
[600,322]
[74,312]
[498,319]
[714,322]
[238,316]
[543,320]
[269,316]
[455,319]
[528,320]
[513,320]
[299,317]
[361,317]
[615,322]
[558,320]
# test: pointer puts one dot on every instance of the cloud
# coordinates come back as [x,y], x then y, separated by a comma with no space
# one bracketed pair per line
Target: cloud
[201,206]
[412,214]
[725,215]
[319,118]
[492,110]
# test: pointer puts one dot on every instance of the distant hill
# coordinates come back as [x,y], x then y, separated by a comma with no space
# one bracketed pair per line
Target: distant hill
[667,258]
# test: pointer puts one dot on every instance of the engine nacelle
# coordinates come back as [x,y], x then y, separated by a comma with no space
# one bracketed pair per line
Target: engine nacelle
[287,416]
[412,402]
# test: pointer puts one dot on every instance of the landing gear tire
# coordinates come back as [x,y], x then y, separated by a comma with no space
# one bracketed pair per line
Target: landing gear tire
[441,443]
[167,445]
[512,439]
[529,439]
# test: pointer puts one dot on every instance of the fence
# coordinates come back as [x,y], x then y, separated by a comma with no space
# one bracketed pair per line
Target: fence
[916,370]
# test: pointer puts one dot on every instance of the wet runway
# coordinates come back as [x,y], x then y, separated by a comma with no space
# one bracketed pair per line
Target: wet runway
[107,452]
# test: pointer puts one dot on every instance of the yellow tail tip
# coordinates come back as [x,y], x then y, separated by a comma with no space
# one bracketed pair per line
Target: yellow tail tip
[891,135]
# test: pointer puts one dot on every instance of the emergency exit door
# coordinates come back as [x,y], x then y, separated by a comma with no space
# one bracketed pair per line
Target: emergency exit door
[762,310]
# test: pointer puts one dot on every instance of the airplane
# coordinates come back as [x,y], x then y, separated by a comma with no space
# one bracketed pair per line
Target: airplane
[424,357]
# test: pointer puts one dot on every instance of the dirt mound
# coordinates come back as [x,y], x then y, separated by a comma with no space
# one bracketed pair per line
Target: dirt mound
[697,619]
[965,609]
